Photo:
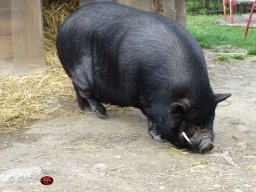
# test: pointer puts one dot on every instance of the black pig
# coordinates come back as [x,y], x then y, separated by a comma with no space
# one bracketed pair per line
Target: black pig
[126,57]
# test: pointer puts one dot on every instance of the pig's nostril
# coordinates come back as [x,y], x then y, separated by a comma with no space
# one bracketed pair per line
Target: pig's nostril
[206,148]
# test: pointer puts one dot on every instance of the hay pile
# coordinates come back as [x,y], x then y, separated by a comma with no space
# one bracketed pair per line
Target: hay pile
[32,97]
[54,13]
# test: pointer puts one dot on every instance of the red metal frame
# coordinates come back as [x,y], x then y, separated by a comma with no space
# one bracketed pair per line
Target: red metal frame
[231,11]
[250,18]
[225,8]
[231,5]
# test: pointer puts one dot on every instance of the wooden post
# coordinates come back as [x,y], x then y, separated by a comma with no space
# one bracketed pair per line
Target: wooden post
[180,6]
[27,36]
[5,34]
[158,7]
[145,5]
[169,9]
[21,37]
[175,9]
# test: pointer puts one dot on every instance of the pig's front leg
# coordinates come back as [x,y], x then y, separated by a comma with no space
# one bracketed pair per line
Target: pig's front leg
[154,132]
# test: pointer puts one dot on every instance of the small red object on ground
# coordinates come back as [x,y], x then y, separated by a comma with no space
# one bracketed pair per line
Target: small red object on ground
[46,180]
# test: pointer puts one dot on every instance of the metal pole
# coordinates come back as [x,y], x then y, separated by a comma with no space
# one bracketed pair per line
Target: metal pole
[225,9]
[231,11]
[250,18]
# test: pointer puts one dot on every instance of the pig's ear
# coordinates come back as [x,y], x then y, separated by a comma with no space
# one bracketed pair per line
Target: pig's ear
[180,107]
[221,97]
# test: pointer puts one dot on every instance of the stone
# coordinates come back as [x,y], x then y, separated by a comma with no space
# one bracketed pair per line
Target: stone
[20,174]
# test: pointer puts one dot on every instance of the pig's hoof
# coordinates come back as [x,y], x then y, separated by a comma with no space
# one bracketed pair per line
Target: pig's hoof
[102,116]
[100,111]
[156,136]
[85,106]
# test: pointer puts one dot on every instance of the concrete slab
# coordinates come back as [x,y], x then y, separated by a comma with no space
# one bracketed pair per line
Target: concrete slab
[239,20]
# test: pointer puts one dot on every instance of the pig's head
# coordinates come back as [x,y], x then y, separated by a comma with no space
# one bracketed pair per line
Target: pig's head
[193,125]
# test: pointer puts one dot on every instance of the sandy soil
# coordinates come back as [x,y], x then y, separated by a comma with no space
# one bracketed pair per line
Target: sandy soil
[84,153]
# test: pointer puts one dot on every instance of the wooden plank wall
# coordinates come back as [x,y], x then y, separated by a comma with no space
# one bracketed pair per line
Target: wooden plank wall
[21,37]
[174,9]
[5,33]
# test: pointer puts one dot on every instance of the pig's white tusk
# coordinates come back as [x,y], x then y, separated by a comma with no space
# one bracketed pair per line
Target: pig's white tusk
[186,137]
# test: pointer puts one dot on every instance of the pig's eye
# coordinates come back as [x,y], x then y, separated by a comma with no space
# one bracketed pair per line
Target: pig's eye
[197,123]
[176,113]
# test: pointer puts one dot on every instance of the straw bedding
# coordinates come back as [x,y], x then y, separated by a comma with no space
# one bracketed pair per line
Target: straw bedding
[32,97]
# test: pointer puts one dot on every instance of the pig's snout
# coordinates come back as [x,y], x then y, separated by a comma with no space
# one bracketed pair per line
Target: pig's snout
[201,141]
[205,146]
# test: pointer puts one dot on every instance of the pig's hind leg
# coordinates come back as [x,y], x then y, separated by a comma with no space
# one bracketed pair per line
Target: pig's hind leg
[86,100]
[97,107]
[82,102]
[82,78]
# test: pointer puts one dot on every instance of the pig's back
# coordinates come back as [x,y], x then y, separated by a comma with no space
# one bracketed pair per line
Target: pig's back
[130,49]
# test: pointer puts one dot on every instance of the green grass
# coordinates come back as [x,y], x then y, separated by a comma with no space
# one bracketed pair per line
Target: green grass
[210,35]
[238,57]
[229,58]
[222,58]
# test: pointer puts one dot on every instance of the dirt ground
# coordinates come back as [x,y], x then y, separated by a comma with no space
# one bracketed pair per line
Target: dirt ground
[84,153]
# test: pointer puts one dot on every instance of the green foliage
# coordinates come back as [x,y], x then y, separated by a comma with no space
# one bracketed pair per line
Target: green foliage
[204,6]
[238,57]
[209,34]
[229,58]
[222,58]
[252,51]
